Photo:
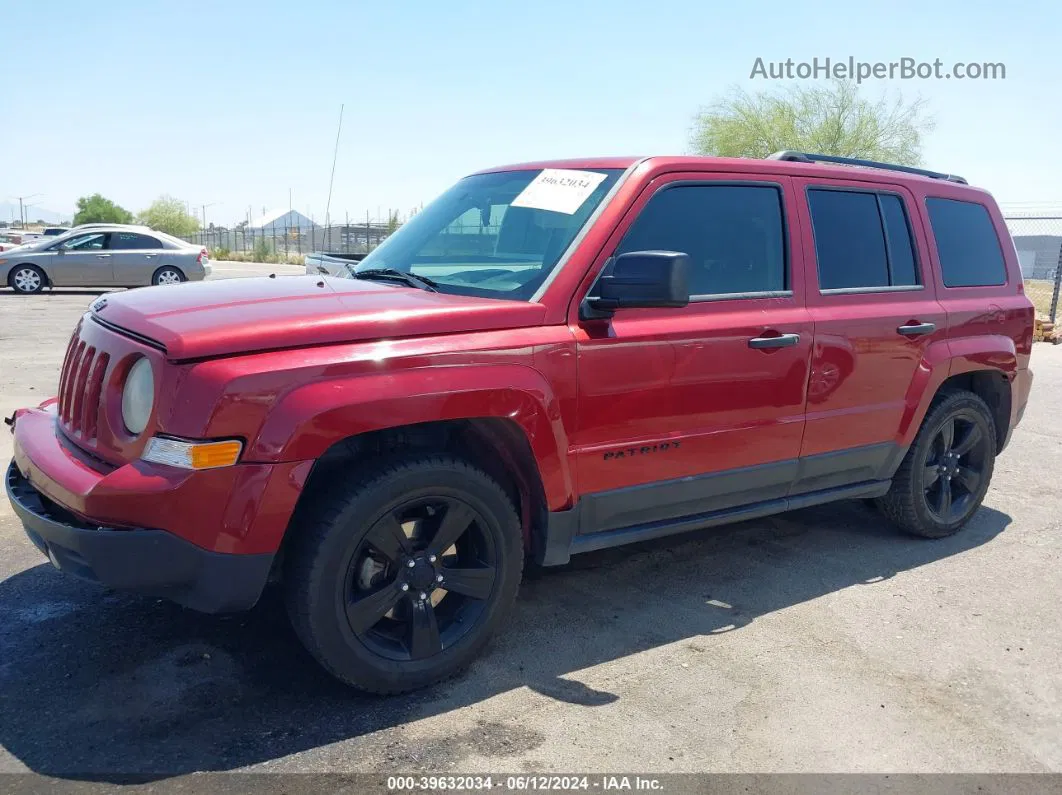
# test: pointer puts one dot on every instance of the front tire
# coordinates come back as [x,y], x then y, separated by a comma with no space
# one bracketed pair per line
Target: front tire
[399,577]
[27,279]
[168,275]
[945,475]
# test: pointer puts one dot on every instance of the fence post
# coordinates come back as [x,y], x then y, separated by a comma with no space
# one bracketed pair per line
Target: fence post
[1058,282]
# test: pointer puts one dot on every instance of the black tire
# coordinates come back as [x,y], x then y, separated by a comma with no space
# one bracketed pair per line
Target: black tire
[333,584]
[27,285]
[157,277]
[935,466]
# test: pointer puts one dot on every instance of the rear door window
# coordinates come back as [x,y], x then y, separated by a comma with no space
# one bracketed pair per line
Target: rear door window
[967,246]
[862,240]
[132,240]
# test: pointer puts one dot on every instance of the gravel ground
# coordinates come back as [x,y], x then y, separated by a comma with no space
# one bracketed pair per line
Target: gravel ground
[818,641]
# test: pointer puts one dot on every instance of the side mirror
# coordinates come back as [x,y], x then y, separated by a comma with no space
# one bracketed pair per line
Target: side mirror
[640,280]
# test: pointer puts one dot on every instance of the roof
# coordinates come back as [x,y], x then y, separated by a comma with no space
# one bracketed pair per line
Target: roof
[273,216]
[739,164]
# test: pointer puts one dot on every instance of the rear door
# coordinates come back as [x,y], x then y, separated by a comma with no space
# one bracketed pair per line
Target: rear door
[82,261]
[874,304]
[697,409]
[135,257]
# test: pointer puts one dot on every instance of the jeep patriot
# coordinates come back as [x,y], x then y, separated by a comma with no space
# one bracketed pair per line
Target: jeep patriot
[550,358]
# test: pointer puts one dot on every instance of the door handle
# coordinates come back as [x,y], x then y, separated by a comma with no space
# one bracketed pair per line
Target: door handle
[917,329]
[781,341]
[102,256]
[149,256]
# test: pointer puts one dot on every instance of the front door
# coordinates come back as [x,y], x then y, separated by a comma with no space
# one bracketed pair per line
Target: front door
[686,411]
[875,314]
[82,261]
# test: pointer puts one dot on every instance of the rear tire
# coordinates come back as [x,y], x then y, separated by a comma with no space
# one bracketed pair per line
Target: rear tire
[27,279]
[362,575]
[944,476]
[168,275]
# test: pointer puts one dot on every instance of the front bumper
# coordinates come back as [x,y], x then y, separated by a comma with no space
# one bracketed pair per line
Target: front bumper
[145,560]
[203,539]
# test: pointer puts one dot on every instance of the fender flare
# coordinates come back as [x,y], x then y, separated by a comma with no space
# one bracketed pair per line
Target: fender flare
[308,420]
[945,359]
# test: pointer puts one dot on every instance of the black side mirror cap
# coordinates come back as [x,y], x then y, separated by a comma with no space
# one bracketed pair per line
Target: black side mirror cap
[640,280]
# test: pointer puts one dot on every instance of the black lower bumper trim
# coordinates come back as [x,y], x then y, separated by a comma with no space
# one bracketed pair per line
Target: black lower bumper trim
[152,562]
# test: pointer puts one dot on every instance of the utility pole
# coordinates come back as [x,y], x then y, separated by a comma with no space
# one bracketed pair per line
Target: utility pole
[21,208]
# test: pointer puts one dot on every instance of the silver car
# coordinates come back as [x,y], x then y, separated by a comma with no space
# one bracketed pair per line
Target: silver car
[103,255]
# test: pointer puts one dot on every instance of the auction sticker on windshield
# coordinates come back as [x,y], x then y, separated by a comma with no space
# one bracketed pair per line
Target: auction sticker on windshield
[559,190]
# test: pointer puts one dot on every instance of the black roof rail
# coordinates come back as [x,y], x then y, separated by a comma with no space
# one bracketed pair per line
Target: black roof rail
[804,157]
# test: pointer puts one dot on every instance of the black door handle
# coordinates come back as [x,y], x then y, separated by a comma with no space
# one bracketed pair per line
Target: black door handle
[781,341]
[917,329]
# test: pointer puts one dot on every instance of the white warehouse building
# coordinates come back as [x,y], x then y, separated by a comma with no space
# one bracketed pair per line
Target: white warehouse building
[282,220]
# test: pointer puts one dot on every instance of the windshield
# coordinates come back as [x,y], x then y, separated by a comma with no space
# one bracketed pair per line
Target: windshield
[495,235]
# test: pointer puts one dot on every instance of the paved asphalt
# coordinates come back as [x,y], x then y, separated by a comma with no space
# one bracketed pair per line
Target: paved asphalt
[818,641]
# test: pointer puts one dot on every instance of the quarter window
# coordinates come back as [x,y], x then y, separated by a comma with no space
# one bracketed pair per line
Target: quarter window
[733,234]
[862,239]
[969,251]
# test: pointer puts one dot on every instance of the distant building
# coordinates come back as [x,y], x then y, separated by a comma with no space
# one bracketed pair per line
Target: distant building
[282,220]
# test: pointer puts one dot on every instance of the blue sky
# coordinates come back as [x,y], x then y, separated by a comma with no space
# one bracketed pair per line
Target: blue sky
[233,103]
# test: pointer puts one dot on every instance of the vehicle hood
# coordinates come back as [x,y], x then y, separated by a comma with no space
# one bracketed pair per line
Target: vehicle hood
[231,316]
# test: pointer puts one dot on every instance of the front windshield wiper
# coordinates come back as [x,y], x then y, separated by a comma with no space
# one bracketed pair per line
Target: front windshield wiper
[391,274]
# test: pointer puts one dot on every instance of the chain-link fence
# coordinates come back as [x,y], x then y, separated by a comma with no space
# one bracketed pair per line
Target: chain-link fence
[1038,239]
[280,243]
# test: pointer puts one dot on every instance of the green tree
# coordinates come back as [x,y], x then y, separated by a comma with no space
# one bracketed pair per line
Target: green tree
[394,220]
[167,214]
[96,209]
[828,120]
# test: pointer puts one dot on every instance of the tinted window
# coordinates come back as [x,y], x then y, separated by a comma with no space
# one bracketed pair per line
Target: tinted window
[733,235]
[902,261]
[128,240]
[862,239]
[967,245]
[848,239]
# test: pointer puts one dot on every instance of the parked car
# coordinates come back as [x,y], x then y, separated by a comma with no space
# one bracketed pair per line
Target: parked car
[53,231]
[552,358]
[10,240]
[103,255]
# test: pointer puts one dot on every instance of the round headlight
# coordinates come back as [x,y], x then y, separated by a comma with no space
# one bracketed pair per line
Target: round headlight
[138,396]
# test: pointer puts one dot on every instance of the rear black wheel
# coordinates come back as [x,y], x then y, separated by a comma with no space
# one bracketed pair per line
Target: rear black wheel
[945,475]
[399,580]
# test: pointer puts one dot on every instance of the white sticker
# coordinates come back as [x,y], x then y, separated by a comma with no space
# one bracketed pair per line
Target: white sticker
[560,190]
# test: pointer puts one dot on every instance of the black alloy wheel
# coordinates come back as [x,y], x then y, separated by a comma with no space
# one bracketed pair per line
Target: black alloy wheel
[420,579]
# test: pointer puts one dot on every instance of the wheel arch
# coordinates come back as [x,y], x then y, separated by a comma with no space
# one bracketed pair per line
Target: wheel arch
[168,266]
[496,445]
[985,366]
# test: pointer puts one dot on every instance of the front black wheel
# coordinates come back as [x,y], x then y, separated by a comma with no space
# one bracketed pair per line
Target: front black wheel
[945,475]
[399,579]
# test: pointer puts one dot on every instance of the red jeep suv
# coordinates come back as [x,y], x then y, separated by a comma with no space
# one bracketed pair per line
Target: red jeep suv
[550,358]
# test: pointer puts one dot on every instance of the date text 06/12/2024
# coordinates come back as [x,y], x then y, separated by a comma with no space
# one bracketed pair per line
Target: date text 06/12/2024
[522,783]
